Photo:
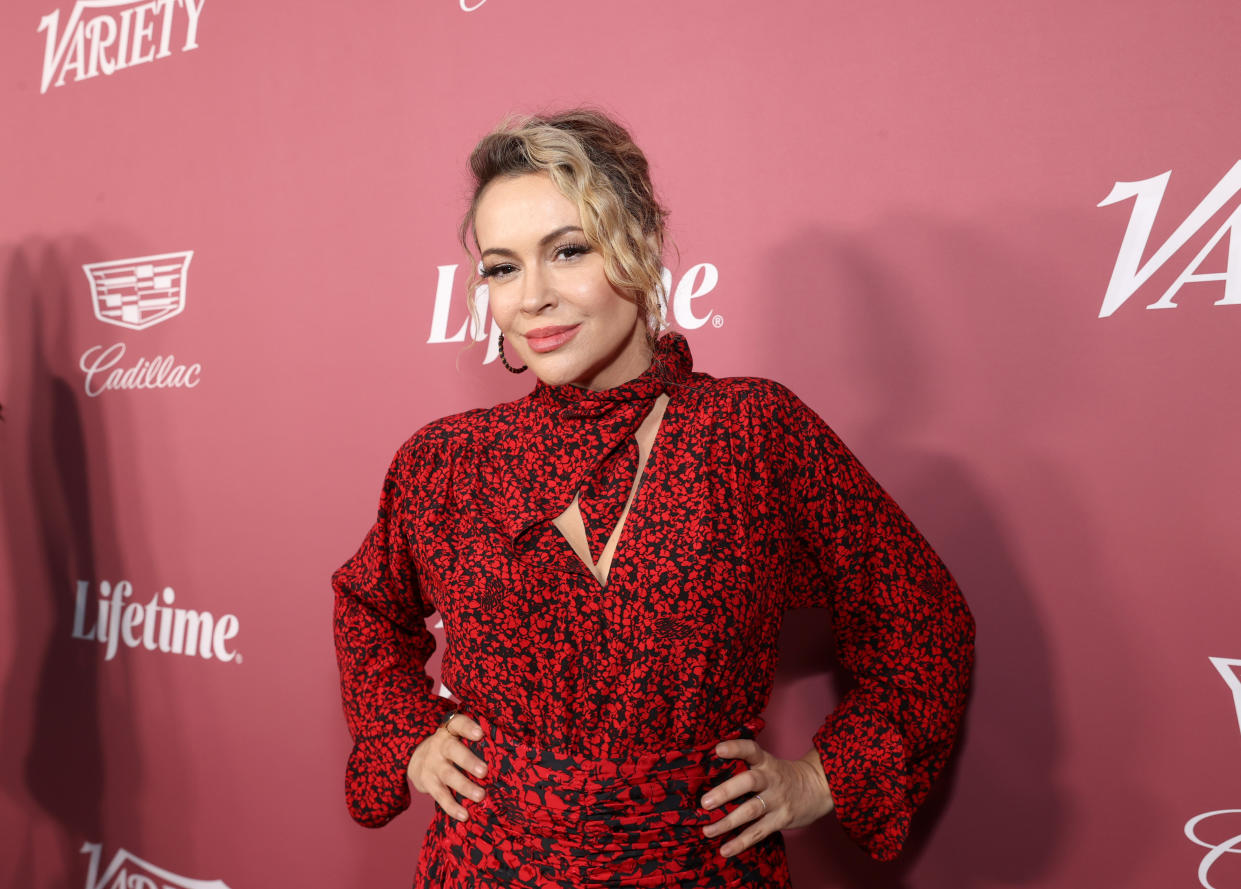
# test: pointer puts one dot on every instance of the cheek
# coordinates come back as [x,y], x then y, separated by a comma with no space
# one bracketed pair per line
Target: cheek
[624,316]
[501,307]
[605,302]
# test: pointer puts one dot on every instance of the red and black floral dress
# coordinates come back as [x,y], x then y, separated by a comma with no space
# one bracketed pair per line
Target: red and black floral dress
[601,705]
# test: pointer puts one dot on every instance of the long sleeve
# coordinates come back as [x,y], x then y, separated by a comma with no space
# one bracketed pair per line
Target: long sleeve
[382,647]
[902,628]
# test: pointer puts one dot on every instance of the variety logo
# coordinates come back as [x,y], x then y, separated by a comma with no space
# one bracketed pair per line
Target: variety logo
[106,36]
[1216,849]
[1130,273]
[1232,678]
[137,293]
[697,282]
[128,871]
[471,5]
[155,625]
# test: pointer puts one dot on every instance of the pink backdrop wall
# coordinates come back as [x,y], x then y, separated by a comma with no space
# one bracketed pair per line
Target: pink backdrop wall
[897,206]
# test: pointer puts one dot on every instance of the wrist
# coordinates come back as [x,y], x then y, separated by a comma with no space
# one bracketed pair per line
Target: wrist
[818,776]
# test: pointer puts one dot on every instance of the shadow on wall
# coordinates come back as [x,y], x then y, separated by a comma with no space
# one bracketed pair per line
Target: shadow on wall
[996,814]
[54,471]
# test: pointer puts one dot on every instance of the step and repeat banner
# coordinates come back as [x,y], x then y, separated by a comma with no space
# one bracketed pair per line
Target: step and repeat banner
[994,245]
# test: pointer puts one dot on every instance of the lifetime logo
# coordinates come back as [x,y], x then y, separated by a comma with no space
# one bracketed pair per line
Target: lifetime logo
[128,870]
[106,36]
[1130,273]
[697,282]
[155,625]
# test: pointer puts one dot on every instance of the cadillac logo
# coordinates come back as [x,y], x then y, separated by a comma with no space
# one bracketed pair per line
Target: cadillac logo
[141,292]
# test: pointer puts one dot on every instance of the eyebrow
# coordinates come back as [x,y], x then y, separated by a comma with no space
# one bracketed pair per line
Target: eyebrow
[543,241]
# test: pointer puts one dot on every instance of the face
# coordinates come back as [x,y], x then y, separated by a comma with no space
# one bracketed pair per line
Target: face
[548,291]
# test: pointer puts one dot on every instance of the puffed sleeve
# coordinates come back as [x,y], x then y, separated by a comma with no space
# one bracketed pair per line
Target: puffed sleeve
[902,627]
[382,647]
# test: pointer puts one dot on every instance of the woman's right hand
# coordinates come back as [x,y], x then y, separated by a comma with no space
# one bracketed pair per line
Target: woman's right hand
[441,762]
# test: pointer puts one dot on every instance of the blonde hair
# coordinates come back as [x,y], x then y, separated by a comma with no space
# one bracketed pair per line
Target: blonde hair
[594,162]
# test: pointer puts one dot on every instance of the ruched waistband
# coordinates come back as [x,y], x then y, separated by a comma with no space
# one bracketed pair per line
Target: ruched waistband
[554,818]
[551,791]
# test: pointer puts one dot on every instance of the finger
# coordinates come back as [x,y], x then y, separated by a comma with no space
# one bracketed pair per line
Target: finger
[442,794]
[756,832]
[462,756]
[457,780]
[463,726]
[740,748]
[745,813]
[738,785]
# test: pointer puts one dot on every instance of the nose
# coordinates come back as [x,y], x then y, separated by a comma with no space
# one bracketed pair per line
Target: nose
[538,291]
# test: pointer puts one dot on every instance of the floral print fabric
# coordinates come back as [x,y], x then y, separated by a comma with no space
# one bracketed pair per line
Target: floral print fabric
[552,818]
[749,506]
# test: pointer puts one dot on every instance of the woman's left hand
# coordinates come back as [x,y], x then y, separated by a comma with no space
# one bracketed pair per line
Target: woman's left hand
[795,793]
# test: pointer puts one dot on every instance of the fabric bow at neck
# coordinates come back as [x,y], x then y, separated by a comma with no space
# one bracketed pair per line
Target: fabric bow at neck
[586,444]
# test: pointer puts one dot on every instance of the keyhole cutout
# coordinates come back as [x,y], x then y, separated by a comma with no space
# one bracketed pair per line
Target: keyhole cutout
[569,523]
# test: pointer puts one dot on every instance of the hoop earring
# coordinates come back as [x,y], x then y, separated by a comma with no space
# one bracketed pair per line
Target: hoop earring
[504,361]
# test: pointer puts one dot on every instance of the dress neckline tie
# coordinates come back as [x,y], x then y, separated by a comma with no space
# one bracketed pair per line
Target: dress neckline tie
[583,442]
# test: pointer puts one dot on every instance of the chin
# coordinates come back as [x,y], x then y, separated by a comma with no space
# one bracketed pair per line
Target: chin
[555,376]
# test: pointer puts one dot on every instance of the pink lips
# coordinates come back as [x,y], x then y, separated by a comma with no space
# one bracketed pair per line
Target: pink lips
[547,339]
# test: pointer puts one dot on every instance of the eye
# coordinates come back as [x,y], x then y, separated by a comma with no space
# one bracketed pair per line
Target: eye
[498,271]
[569,251]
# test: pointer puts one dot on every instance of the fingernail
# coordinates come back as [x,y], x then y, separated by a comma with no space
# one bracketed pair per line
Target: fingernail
[477,794]
[708,801]
[480,771]
[461,816]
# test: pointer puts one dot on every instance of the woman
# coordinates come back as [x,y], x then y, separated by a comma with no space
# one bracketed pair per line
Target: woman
[611,556]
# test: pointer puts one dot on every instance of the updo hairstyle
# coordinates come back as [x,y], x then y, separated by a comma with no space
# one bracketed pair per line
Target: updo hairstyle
[594,162]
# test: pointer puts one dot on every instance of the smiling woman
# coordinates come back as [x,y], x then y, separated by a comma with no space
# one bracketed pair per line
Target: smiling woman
[612,556]
[549,292]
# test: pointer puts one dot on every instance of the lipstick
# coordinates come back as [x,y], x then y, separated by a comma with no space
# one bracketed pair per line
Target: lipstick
[547,339]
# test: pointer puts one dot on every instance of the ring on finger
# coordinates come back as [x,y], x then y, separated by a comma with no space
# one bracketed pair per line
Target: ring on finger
[759,797]
[447,719]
